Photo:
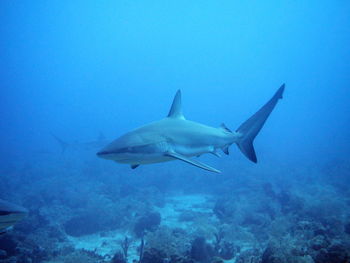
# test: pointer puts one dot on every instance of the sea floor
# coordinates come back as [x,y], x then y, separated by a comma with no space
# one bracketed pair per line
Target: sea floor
[271,215]
[107,243]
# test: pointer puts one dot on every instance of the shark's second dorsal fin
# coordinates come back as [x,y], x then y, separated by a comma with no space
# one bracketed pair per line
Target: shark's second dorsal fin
[176,110]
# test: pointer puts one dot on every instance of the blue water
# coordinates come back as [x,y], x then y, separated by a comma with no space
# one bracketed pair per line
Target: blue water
[78,69]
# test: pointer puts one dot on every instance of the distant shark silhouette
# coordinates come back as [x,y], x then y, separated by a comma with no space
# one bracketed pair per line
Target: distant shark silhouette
[10,214]
[175,138]
[101,140]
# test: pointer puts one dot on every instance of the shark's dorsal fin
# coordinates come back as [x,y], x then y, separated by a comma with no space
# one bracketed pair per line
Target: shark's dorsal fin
[176,110]
[190,161]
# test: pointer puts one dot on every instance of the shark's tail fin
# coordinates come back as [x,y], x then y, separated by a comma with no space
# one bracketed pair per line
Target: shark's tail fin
[251,127]
[62,143]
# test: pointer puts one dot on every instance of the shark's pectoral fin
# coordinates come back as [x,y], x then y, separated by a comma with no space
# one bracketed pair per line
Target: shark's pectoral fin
[193,162]
[134,166]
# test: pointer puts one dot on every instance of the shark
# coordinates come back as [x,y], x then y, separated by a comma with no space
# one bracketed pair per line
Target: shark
[176,138]
[10,214]
[93,144]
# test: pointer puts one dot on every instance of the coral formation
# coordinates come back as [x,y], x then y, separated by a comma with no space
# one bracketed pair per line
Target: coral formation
[242,221]
[147,222]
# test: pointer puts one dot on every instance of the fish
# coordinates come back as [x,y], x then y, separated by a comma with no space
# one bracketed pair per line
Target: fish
[10,214]
[176,138]
[94,144]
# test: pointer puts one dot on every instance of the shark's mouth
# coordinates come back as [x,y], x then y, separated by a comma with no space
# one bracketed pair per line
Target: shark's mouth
[114,155]
[106,153]
[122,150]
[103,153]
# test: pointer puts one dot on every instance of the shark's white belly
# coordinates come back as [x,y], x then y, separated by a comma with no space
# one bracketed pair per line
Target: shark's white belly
[193,151]
[165,147]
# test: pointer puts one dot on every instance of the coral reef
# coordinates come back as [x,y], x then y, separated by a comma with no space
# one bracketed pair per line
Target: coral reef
[168,241]
[245,219]
[147,222]
[201,251]
[85,224]
[334,253]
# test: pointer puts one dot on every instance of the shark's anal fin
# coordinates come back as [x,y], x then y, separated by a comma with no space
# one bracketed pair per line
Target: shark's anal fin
[193,162]
[134,166]
[225,149]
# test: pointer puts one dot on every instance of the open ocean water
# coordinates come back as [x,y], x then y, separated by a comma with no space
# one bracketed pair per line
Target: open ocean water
[76,75]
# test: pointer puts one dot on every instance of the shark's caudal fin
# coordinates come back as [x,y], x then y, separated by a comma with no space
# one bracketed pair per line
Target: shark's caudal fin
[62,143]
[251,127]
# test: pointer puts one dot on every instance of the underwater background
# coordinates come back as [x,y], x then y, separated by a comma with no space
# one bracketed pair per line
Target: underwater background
[75,75]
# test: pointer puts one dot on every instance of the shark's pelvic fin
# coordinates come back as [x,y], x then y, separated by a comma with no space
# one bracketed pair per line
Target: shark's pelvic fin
[193,162]
[134,166]
[251,127]
[176,109]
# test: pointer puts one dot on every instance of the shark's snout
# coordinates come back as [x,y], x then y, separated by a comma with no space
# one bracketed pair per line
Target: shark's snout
[106,154]
[103,154]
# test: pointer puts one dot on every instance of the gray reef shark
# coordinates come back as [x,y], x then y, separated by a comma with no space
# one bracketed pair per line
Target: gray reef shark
[98,143]
[10,214]
[175,138]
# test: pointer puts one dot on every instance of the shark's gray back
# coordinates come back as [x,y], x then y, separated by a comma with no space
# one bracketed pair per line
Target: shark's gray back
[185,132]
